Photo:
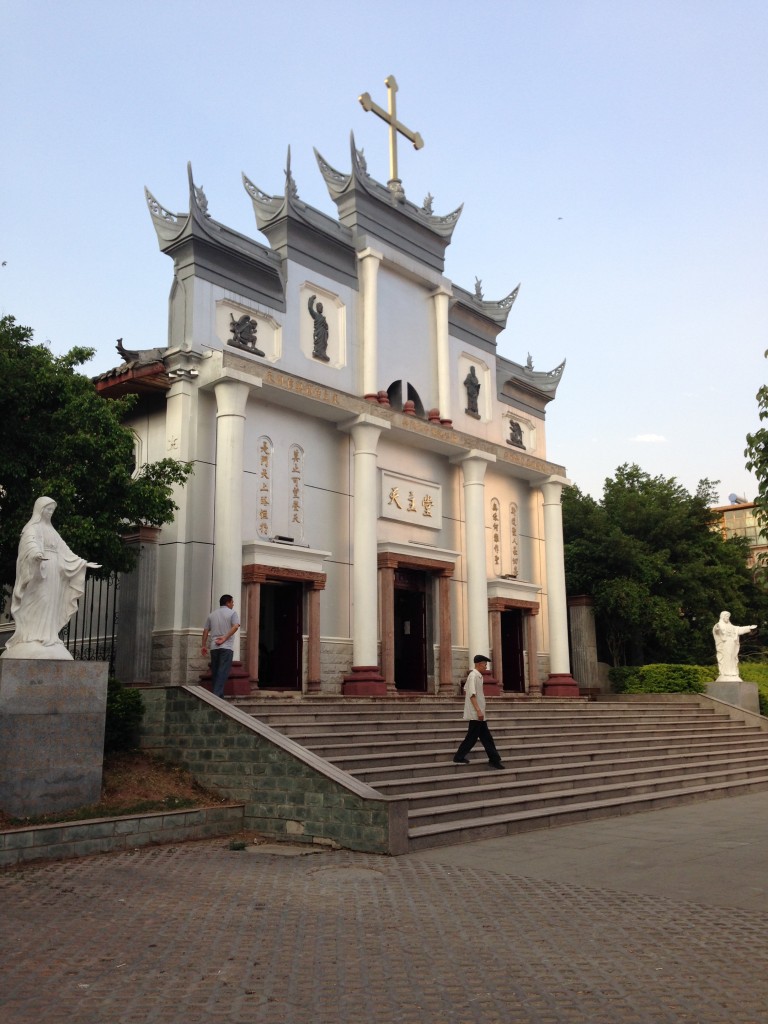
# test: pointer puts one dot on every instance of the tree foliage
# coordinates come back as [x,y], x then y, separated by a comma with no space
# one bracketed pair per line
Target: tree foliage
[756,454]
[657,568]
[62,439]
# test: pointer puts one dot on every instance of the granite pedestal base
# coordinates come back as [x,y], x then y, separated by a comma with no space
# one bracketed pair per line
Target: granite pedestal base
[736,692]
[51,734]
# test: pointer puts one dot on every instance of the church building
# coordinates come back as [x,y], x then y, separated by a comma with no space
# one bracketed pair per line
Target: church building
[371,479]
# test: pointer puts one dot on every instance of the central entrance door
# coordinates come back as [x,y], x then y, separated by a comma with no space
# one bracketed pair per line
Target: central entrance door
[410,630]
[280,635]
[512,663]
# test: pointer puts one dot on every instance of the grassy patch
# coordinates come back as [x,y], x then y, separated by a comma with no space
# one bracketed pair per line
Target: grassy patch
[133,782]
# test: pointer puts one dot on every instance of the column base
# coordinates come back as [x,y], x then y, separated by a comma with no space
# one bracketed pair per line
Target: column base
[560,684]
[364,681]
[238,684]
[491,687]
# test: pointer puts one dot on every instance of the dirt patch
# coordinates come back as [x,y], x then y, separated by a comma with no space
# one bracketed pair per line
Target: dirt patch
[133,783]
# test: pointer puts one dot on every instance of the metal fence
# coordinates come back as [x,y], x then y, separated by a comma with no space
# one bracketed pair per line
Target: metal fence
[91,633]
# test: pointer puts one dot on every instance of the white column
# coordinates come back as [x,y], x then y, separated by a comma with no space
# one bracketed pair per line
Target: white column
[441,297]
[473,466]
[365,437]
[559,660]
[231,398]
[369,271]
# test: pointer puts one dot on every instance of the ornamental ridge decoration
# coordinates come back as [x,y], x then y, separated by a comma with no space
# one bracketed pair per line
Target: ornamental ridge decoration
[159,211]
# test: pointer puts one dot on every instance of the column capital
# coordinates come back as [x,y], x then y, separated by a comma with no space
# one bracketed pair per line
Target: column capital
[365,431]
[552,488]
[473,465]
[231,396]
[442,290]
[473,454]
[369,253]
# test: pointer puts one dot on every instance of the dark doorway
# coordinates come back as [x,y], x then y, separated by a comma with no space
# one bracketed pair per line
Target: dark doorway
[410,630]
[512,653]
[280,635]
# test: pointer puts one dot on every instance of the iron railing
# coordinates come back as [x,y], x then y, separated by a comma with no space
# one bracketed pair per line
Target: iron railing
[91,633]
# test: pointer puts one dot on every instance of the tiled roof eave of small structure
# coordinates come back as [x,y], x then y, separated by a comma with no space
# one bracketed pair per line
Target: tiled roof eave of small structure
[133,379]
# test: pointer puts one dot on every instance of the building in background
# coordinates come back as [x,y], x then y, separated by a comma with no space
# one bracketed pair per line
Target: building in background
[739,520]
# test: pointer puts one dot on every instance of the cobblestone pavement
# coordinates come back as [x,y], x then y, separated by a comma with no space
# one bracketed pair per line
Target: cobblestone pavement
[199,933]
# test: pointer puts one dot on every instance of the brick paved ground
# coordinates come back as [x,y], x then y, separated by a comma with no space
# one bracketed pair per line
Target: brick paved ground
[199,934]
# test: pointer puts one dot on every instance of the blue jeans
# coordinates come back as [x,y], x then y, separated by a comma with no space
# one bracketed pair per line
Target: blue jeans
[221,663]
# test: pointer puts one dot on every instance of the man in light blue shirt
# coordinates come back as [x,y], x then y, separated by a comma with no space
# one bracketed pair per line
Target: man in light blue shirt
[221,624]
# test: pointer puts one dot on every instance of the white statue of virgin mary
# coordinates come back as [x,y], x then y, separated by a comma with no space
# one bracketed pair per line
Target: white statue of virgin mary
[49,580]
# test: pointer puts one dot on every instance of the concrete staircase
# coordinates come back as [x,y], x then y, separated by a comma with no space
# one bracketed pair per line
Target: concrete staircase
[565,760]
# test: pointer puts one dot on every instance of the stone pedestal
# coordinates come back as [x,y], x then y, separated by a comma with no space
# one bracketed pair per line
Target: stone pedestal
[51,734]
[736,692]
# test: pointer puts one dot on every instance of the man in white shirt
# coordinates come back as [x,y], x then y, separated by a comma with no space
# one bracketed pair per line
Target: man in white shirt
[221,624]
[474,715]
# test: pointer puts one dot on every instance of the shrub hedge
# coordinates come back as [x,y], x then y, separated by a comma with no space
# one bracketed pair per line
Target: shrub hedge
[684,679]
[660,679]
[125,710]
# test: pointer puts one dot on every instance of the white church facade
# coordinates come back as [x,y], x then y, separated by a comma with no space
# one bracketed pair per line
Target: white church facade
[371,480]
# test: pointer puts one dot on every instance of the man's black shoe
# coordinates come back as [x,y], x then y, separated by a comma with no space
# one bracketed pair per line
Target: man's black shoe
[461,760]
[499,766]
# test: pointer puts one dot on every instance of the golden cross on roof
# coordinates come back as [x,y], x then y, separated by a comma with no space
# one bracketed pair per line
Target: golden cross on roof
[395,126]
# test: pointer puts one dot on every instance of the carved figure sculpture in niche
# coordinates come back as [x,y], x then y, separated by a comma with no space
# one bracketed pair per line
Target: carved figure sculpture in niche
[727,645]
[472,384]
[243,332]
[320,330]
[516,434]
[49,580]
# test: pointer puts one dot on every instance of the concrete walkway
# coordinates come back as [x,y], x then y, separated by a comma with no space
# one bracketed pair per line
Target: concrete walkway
[659,918]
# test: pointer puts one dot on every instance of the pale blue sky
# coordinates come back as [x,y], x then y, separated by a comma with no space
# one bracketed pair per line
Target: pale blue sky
[611,156]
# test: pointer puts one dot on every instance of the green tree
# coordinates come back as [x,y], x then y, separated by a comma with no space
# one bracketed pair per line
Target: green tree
[61,438]
[756,454]
[658,570]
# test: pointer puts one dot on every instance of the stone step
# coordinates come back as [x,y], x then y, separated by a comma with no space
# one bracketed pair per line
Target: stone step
[320,737]
[552,754]
[564,760]
[309,711]
[330,724]
[416,746]
[418,785]
[496,787]
[470,829]
[511,802]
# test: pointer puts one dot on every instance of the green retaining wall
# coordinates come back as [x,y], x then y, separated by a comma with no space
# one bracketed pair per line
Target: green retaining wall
[288,792]
[107,835]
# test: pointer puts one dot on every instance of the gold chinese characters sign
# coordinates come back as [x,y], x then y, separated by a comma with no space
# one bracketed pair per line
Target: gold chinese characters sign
[410,500]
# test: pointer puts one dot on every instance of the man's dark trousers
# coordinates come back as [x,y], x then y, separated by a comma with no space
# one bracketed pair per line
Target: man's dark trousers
[477,730]
[221,663]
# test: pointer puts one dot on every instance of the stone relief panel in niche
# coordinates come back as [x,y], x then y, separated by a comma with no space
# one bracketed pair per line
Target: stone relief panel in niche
[474,380]
[248,331]
[520,432]
[322,326]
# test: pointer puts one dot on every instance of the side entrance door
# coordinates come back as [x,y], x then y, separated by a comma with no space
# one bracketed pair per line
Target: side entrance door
[410,630]
[512,654]
[280,635]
